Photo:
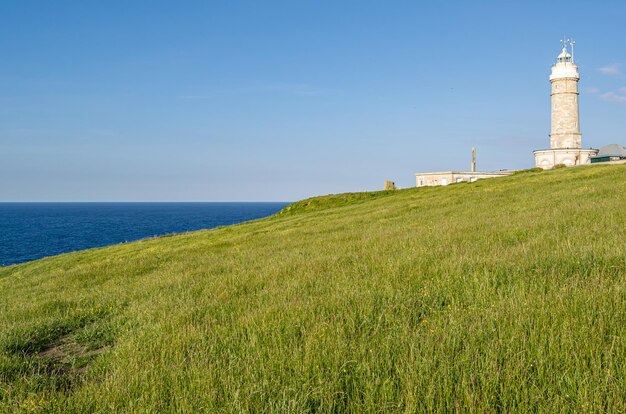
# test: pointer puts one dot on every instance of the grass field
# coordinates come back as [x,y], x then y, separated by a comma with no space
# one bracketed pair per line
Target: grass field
[504,295]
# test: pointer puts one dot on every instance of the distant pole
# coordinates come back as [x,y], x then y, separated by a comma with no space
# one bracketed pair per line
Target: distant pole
[473,159]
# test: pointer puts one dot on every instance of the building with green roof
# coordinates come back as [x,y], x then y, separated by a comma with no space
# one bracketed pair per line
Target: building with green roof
[608,153]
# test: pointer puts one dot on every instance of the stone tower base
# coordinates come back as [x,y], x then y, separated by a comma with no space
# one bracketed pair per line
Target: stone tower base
[568,156]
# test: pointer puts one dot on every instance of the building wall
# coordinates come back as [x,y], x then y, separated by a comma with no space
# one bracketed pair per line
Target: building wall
[608,160]
[547,159]
[565,131]
[451,177]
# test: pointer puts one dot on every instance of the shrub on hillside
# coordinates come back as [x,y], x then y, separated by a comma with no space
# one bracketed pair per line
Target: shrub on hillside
[530,170]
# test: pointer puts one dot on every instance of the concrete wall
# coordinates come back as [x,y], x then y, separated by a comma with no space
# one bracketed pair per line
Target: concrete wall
[451,177]
[549,158]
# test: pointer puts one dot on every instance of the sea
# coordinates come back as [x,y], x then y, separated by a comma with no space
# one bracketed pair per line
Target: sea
[30,231]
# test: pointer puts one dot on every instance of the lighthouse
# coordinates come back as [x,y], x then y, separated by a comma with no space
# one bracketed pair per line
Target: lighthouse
[565,137]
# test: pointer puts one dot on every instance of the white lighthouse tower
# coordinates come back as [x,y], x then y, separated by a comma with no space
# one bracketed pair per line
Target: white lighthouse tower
[565,136]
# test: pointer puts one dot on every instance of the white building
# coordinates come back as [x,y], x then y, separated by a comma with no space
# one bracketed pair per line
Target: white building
[565,137]
[450,177]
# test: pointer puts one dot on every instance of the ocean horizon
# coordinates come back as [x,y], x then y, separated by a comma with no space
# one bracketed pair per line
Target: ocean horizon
[34,230]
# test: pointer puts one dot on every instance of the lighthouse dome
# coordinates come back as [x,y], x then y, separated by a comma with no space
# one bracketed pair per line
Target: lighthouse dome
[564,54]
[565,67]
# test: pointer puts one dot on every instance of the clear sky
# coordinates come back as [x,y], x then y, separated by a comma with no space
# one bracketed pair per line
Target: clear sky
[281,100]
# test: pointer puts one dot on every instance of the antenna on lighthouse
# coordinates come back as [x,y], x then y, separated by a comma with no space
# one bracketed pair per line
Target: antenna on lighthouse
[572,43]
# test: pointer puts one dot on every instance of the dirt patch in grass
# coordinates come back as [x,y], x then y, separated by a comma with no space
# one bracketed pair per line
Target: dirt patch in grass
[67,357]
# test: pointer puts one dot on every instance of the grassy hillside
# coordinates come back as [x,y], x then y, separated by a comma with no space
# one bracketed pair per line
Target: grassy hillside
[502,295]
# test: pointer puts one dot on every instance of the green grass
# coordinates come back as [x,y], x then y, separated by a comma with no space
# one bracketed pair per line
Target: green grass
[505,295]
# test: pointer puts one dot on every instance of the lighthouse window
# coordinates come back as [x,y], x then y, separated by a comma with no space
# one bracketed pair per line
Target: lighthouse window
[556,86]
[554,106]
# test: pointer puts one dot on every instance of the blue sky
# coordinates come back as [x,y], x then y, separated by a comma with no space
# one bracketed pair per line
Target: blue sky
[268,100]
